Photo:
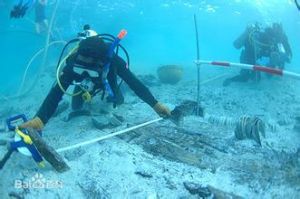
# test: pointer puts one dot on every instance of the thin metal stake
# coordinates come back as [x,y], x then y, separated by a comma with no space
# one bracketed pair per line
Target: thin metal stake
[197,64]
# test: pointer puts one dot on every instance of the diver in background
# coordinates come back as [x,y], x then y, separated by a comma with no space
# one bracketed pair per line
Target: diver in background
[85,69]
[249,54]
[21,8]
[279,50]
[41,22]
[271,43]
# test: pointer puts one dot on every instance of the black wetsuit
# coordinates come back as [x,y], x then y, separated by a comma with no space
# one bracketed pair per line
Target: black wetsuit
[275,38]
[117,68]
[248,56]
[19,10]
[260,44]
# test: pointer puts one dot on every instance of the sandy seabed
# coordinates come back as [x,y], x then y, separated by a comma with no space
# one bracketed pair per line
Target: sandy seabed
[196,160]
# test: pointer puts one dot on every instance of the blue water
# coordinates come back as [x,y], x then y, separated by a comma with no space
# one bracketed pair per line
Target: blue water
[159,32]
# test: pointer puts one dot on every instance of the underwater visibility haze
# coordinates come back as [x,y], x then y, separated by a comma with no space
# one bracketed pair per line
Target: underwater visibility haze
[150,99]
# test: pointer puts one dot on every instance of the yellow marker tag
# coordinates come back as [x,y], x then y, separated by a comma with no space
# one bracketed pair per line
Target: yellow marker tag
[87,97]
[25,137]
[42,164]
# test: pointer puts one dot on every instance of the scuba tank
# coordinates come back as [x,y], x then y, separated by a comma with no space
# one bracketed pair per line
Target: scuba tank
[114,48]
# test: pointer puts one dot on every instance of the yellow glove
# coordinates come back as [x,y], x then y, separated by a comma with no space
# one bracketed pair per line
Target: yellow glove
[162,110]
[36,123]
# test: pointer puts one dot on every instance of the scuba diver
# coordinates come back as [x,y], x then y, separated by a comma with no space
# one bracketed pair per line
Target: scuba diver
[249,54]
[21,8]
[93,67]
[41,22]
[271,43]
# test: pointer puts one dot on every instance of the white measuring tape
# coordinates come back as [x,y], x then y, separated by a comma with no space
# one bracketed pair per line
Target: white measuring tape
[107,136]
[125,130]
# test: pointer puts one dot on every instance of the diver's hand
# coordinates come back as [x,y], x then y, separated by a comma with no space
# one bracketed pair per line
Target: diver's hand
[36,123]
[162,110]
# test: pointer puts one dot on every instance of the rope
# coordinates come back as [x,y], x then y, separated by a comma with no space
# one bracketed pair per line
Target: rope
[7,98]
[46,47]
[213,78]
[31,60]
[44,56]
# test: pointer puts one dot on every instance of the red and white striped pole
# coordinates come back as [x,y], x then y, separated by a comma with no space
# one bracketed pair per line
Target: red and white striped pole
[264,69]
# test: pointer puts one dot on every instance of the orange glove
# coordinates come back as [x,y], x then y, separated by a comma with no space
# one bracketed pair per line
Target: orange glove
[36,123]
[162,110]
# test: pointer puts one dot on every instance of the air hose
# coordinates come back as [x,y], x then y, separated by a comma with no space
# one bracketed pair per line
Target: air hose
[63,50]
[19,93]
[255,41]
[58,74]
[106,37]
[45,49]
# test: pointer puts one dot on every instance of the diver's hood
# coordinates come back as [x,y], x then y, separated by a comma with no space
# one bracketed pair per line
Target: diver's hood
[93,47]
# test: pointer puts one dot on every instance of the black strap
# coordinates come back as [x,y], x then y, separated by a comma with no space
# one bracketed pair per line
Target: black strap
[5,158]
